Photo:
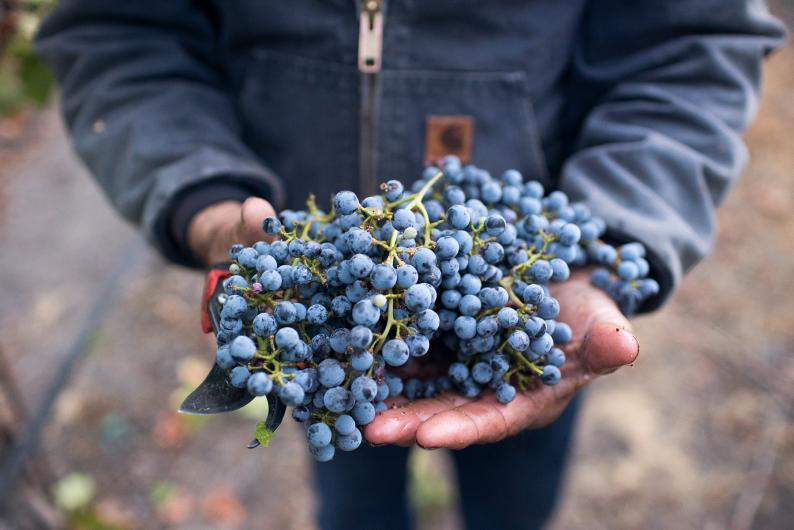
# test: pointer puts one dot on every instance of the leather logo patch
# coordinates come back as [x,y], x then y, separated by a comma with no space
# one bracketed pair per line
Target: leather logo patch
[449,135]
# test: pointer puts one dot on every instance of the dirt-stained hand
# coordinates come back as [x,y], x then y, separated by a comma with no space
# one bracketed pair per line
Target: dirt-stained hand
[602,342]
[216,228]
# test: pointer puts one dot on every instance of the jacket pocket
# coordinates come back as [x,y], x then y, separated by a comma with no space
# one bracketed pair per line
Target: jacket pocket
[301,117]
[505,132]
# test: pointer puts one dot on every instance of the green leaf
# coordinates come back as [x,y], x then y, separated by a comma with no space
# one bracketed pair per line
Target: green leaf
[263,434]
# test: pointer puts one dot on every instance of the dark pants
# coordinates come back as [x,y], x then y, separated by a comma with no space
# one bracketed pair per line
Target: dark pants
[510,484]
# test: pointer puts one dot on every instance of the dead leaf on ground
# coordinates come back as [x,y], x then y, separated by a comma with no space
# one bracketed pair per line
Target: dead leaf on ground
[222,505]
[169,431]
[176,509]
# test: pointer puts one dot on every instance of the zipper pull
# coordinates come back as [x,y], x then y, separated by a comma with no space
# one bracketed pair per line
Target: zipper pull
[370,37]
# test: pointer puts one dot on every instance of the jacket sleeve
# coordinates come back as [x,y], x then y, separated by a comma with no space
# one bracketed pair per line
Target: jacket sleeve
[148,110]
[668,86]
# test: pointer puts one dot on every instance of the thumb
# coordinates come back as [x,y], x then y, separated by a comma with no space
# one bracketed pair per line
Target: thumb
[252,213]
[609,342]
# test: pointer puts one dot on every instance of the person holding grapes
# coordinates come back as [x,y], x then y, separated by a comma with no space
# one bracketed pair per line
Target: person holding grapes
[199,119]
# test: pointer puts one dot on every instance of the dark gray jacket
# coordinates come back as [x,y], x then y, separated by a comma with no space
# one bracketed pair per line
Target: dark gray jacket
[635,107]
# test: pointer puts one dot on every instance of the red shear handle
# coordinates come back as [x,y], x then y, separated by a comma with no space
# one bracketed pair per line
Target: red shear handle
[216,274]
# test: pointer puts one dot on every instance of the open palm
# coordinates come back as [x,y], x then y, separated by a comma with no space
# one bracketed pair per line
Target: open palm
[602,342]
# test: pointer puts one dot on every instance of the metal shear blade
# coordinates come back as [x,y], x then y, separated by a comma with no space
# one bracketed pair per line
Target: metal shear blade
[216,394]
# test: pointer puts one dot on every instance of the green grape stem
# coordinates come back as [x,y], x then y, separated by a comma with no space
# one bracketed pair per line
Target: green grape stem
[381,338]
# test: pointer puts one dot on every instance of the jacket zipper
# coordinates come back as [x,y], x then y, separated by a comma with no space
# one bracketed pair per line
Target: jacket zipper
[370,36]
[370,54]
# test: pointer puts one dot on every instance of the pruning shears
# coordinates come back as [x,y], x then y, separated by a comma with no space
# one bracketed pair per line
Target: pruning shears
[216,394]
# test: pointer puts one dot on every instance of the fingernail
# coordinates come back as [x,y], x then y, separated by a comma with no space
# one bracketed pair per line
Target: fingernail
[426,448]
[375,445]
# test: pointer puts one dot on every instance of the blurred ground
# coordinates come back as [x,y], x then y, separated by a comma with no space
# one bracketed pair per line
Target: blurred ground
[697,435]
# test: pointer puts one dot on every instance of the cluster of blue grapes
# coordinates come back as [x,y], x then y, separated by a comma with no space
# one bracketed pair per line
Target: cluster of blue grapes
[325,314]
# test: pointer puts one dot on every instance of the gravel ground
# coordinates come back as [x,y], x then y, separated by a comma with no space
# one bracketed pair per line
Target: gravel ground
[698,434]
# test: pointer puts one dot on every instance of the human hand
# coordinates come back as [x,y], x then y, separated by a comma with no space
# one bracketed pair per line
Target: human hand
[602,343]
[216,228]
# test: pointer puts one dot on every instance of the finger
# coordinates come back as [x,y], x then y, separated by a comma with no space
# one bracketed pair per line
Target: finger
[252,213]
[488,421]
[603,336]
[607,346]
[399,425]
[481,421]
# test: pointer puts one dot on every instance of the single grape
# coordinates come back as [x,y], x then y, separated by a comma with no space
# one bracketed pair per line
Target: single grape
[285,312]
[223,358]
[365,313]
[470,305]
[330,373]
[287,338]
[556,357]
[338,399]
[428,320]
[481,372]
[349,442]
[363,412]
[403,219]
[465,327]
[505,393]
[470,284]
[600,278]
[383,277]
[316,314]
[242,349]
[518,340]
[395,385]
[551,374]
[542,344]
[392,190]
[318,434]
[361,360]
[322,454]
[234,283]
[418,344]
[419,297]
[423,260]
[548,308]
[628,271]
[340,340]
[270,225]
[345,202]
[562,333]
[301,414]
[291,394]
[364,388]
[396,352]
[234,307]
[493,253]
[345,425]
[560,270]
[570,234]
[507,317]
[259,384]
[407,276]
[541,270]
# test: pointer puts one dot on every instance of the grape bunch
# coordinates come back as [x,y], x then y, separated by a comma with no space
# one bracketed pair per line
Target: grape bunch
[331,314]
